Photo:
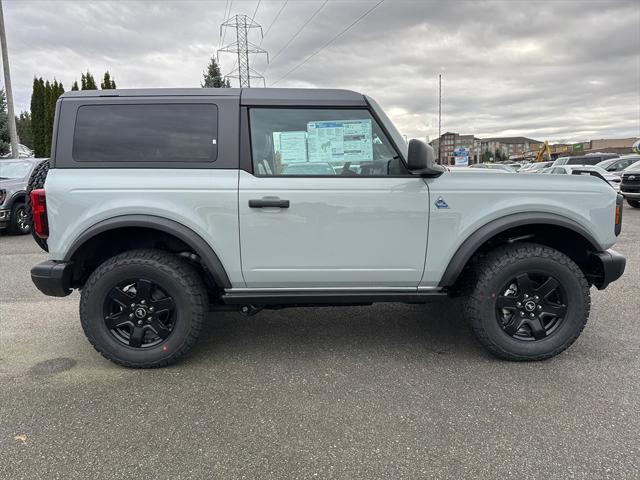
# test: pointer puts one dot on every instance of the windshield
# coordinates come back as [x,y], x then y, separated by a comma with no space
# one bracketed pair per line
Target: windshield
[635,166]
[14,169]
[592,168]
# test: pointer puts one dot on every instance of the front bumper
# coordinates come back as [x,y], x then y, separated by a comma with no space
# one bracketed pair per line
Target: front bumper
[5,215]
[609,266]
[632,195]
[53,278]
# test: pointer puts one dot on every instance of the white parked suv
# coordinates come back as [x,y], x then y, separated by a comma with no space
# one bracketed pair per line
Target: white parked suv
[161,206]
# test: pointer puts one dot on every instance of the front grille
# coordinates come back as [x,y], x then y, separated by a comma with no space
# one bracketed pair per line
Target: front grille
[631,178]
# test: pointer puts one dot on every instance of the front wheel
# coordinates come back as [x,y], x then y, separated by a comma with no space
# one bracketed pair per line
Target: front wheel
[633,203]
[527,302]
[20,224]
[143,308]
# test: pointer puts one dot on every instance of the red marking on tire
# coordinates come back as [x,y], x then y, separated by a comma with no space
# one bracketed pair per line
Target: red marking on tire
[164,349]
[493,295]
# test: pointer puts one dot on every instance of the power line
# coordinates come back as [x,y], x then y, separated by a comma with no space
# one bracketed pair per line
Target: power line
[256,10]
[329,42]
[274,20]
[296,34]
[224,19]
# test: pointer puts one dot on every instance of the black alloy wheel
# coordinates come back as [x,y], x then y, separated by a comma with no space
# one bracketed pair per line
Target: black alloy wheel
[139,313]
[531,307]
[526,301]
[22,220]
[143,308]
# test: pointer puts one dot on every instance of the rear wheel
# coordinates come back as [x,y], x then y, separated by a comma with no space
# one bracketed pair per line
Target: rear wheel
[633,203]
[527,302]
[19,221]
[143,308]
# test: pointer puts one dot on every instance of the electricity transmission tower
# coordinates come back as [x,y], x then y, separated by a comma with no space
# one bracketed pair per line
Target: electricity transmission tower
[242,47]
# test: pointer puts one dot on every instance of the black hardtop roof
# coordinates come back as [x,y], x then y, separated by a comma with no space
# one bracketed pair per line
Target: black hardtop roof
[248,96]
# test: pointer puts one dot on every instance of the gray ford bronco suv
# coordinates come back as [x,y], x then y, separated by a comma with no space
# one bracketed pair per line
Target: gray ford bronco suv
[163,205]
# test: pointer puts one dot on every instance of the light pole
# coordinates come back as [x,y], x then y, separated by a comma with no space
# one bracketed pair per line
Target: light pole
[8,92]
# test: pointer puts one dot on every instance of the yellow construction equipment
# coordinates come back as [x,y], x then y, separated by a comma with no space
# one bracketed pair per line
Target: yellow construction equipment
[540,154]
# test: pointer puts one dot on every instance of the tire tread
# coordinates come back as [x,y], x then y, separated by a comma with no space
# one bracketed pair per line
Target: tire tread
[170,264]
[489,266]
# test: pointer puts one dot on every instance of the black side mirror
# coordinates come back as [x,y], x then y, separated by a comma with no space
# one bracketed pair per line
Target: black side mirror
[421,160]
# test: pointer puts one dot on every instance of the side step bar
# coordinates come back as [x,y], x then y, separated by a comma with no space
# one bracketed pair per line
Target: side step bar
[330,297]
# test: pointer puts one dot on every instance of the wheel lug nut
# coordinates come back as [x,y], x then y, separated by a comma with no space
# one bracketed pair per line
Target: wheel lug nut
[519,304]
[139,322]
[151,309]
[531,315]
[143,302]
[149,319]
[526,296]
[539,307]
[536,297]
[522,314]
[131,315]
[133,305]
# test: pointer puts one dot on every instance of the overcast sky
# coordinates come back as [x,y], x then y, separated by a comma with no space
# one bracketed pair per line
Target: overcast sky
[557,70]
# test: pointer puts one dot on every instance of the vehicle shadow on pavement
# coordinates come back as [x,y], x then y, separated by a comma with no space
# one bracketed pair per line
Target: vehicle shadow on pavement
[436,328]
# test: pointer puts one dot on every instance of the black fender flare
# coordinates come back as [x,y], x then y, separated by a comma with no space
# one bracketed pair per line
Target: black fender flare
[209,258]
[499,225]
[22,194]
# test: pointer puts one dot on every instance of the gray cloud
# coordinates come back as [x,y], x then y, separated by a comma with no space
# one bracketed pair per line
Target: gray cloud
[562,70]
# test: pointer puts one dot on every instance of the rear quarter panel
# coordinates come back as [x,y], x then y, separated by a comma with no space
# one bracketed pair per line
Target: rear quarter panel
[204,200]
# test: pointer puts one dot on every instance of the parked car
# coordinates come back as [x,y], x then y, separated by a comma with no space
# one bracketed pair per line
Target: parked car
[613,180]
[23,152]
[536,167]
[617,165]
[14,176]
[182,222]
[630,185]
[493,166]
[588,159]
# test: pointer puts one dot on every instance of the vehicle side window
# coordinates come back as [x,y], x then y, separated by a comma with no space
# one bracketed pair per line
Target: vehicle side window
[171,132]
[320,142]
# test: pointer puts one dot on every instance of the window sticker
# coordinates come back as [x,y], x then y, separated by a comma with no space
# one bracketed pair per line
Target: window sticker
[340,141]
[292,146]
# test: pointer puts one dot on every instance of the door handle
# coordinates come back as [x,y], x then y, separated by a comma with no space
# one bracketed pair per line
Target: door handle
[267,202]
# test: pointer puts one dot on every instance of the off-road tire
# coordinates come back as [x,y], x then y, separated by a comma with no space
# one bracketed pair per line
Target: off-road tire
[176,276]
[36,181]
[633,203]
[14,229]
[496,268]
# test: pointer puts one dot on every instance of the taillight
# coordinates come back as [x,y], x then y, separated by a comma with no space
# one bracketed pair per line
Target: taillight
[39,211]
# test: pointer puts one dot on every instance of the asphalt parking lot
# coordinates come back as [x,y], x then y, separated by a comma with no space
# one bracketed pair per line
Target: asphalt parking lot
[390,391]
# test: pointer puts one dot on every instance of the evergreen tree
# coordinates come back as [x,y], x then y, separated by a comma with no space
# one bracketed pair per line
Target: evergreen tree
[43,109]
[23,126]
[212,76]
[37,117]
[48,115]
[74,87]
[107,82]
[5,138]
[87,81]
